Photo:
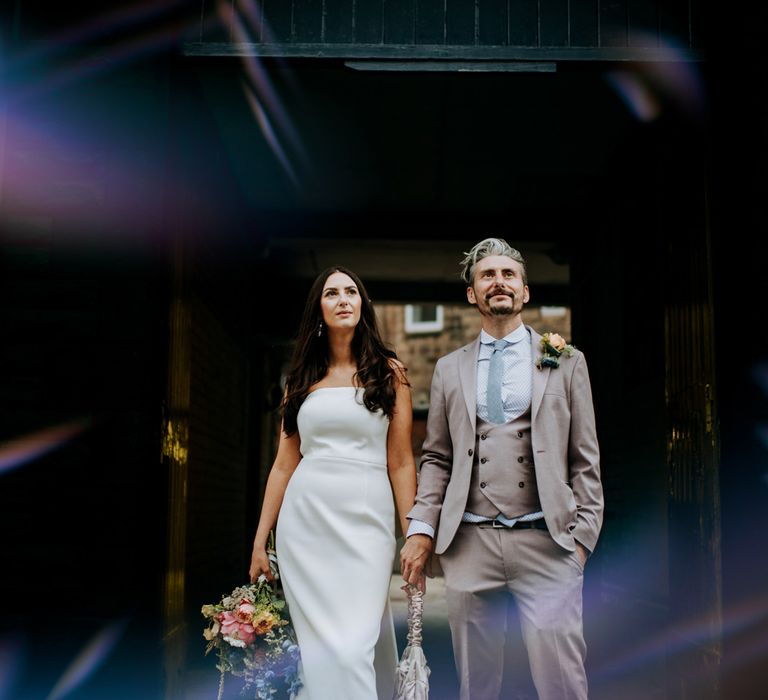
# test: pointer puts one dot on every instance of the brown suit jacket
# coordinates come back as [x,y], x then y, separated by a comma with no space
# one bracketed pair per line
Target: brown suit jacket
[563,436]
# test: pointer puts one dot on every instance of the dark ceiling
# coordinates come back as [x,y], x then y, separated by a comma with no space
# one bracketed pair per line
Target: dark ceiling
[286,162]
[312,157]
[396,153]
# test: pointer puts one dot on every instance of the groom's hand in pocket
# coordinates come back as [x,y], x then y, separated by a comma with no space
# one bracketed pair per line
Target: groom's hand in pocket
[413,558]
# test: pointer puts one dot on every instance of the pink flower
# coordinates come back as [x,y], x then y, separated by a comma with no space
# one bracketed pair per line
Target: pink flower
[245,611]
[235,633]
[228,623]
[246,633]
[557,341]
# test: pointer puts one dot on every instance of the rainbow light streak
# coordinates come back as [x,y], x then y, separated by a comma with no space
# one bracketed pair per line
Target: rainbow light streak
[10,664]
[744,653]
[260,94]
[54,180]
[635,94]
[674,80]
[23,178]
[89,659]
[685,635]
[121,53]
[15,453]
[253,12]
[96,28]
[259,83]
[269,134]
[259,78]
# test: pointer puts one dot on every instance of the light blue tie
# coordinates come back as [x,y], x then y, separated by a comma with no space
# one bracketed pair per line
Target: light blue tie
[495,376]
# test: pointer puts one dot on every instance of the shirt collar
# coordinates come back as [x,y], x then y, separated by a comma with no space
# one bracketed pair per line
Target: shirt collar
[514,337]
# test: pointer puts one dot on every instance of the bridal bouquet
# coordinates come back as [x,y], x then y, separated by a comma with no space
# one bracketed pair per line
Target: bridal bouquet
[254,639]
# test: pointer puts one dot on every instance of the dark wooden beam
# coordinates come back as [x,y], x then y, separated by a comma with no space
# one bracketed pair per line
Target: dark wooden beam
[453,66]
[442,52]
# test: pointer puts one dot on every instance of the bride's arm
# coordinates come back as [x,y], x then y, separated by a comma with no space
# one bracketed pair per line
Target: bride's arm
[286,461]
[400,463]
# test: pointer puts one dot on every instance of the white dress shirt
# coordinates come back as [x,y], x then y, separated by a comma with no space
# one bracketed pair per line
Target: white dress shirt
[517,382]
[516,390]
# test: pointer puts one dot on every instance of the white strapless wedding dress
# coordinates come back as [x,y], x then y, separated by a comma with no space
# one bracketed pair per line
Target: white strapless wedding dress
[336,546]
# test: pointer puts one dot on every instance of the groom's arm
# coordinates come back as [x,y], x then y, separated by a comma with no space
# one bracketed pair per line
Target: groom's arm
[434,474]
[436,459]
[584,459]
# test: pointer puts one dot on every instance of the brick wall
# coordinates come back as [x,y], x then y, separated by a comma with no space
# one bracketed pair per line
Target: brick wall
[461,324]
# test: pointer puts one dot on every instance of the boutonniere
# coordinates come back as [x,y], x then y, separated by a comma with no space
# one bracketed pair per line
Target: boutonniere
[553,345]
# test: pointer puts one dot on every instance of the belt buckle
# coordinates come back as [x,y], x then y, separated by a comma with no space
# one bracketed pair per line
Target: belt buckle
[492,524]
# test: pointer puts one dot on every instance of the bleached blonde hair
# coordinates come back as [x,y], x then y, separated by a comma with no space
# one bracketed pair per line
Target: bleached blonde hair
[484,249]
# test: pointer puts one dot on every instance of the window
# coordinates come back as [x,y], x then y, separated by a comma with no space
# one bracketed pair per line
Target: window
[553,311]
[423,318]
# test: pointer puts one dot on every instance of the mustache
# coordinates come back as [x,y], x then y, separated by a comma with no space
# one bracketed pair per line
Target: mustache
[498,291]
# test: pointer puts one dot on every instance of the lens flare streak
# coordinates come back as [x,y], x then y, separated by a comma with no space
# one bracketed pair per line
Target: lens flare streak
[269,134]
[89,659]
[15,453]
[122,53]
[97,27]
[683,636]
[260,93]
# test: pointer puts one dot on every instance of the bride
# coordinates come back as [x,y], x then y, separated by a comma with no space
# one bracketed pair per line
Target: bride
[344,451]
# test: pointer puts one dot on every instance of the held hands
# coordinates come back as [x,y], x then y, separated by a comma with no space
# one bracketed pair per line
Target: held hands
[413,558]
[260,565]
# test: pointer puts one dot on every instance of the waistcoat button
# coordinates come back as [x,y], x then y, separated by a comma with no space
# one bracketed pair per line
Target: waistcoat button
[483,436]
[470,452]
[519,434]
[521,484]
[520,459]
[483,460]
[482,484]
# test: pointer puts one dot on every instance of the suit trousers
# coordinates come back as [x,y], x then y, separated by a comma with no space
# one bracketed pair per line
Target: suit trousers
[483,568]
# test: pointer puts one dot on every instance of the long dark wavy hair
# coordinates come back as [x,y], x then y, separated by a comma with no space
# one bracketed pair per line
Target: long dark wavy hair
[309,364]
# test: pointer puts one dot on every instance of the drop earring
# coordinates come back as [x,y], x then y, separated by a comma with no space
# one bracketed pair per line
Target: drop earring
[320,329]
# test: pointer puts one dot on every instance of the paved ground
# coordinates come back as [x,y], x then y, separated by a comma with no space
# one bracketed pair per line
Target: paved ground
[202,682]
[610,675]
[608,680]
[436,635]
[630,653]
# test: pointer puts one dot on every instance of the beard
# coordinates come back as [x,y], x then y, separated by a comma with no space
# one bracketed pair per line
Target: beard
[500,310]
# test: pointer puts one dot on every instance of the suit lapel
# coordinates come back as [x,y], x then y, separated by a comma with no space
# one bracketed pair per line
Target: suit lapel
[540,376]
[468,379]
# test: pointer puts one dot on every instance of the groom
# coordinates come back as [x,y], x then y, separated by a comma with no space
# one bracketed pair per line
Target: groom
[509,489]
